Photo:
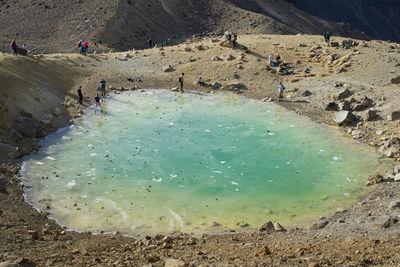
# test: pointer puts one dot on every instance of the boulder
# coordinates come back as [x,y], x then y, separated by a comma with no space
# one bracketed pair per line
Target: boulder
[391,148]
[396,169]
[332,106]
[27,127]
[306,93]
[175,89]
[168,68]
[348,43]
[216,85]
[344,117]
[334,44]
[369,115]
[343,94]
[358,107]
[395,80]
[375,179]
[217,58]
[187,49]
[345,105]
[395,115]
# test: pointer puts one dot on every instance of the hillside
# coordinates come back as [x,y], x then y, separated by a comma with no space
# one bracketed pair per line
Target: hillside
[376,18]
[56,26]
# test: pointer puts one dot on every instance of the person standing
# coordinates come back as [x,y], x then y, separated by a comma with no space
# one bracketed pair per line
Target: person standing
[150,42]
[281,87]
[181,81]
[80,95]
[13,46]
[103,87]
[97,103]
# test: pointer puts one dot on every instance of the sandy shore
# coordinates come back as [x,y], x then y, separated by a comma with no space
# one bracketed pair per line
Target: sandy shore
[364,234]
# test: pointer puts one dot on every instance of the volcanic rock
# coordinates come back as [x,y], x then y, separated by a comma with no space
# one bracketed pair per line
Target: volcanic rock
[319,225]
[369,115]
[395,115]
[391,148]
[391,221]
[345,105]
[395,80]
[343,94]
[268,226]
[332,106]
[168,68]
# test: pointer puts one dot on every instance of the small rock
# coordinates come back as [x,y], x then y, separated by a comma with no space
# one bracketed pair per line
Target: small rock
[8,264]
[216,58]
[375,179]
[319,225]
[187,49]
[395,80]
[175,89]
[227,57]
[314,264]
[268,226]
[168,68]
[332,106]
[391,221]
[394,204]
[306,93]
[395,115]
[216,224]
[264,251]
[174,263]
[334,44]
[153,259]
[343,94]
[279,228]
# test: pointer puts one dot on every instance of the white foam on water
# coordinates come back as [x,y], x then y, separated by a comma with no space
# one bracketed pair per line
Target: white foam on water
[93,154]
[173,175]
[234,183]
[335,158]
[216,171]
[207,130]
[50,158]
[39,163]
[346,194]
[348,179]
[271,134]
[71,184]
[222,162]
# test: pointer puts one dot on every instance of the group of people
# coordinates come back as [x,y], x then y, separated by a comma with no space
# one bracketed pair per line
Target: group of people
[97,98]
[275,61]
[18,50]
[83,47]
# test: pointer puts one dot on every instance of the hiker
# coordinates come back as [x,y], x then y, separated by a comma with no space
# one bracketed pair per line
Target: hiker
[282,68]
[281,87]
[80,43]
[97,103]
[181,81]
[234,40]
[150,42]
[80,95]
[13,46]
[201,81]
[327,37]
[102,87]
[86,45]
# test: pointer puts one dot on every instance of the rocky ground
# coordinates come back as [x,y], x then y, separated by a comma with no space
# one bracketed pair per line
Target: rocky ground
[357,86]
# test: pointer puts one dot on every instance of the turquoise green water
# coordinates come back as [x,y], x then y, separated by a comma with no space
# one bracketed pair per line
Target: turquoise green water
[158,161]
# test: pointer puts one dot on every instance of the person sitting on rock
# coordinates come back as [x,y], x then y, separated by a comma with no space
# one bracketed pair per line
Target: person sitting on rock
[282,68]
[271,60]
[278,58]
[201,81]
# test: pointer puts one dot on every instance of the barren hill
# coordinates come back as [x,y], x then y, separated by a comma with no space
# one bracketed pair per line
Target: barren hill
[56,26]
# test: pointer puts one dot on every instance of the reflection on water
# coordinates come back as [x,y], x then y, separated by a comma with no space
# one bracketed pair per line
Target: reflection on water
[162,161]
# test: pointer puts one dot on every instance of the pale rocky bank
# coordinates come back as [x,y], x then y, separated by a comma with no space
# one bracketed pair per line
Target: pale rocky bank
[355,88]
